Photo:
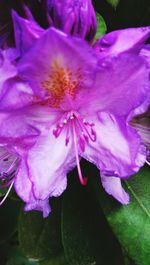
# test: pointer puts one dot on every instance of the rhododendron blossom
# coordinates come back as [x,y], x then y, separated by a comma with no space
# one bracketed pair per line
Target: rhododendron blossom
[73,17]
[66,102]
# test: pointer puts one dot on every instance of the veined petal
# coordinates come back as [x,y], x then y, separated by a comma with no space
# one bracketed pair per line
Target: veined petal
[112,186]
[39,205]
[15,94]
[145,52]
[120,41]
[22,127]
[76,18]
[49,160]
[26,32]
[117,151]
[23,187]
[7,69]
[63,67]
[15,129]
[122,85]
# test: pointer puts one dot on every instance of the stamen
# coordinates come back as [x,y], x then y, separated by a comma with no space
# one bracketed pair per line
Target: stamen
[8,166]
[82,124]
[148,162]
[83,181]
[67,134]
[12,165]
[57,131]
[7,193]
[73,123]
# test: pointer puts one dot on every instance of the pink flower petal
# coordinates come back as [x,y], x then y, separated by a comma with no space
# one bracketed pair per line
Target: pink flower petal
[49,161]
[122,84]
[24,189]
[112,186]
[26,32]
[120,41]
[118,150]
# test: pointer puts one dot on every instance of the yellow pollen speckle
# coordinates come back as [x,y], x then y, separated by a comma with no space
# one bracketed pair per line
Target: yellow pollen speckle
[61,81]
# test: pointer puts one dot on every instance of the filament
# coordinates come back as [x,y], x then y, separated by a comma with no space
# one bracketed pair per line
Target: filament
[148,162]
[7,193]
[83,181]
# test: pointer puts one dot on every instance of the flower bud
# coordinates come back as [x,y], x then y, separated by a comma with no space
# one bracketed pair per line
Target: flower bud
[75,17]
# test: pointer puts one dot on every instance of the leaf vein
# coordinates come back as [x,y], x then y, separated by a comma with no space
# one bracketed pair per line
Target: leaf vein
[138,200]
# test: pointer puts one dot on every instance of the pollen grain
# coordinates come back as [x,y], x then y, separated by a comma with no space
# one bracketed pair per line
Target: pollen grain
[61,81]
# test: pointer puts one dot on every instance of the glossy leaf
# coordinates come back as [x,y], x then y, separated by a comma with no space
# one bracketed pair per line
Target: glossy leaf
[9,212]
[17,258]
[101,26]
[58,260]
[3,192]
[131,223]
[40,238]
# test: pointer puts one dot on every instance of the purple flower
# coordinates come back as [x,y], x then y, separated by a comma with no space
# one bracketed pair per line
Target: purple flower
[129,40]
[121,41]
[26,31]
[75,17]
[65,103]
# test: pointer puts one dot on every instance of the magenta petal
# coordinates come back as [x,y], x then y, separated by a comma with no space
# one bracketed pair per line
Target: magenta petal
[119,41]
[122,84]
[118,150]
[73,17]
[145,52]
[21,127]
[7,70]
[49,161]
[15,95]
[39,205]
[26,32]
[16,130]
[56,48]
[112,186]
[23,187]
[11,54]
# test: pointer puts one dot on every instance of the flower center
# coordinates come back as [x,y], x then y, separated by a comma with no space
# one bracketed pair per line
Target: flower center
[59,82]
[82,132]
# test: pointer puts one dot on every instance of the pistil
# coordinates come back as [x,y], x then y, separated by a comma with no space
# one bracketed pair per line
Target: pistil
[83,181]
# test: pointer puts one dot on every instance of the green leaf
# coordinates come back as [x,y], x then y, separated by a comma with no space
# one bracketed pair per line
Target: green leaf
[40,238]
[3,192]
[101,26]
[59,260]
[127,259]
[17,258]
[114,3]
[86,236]
[131,223]
[9,212]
